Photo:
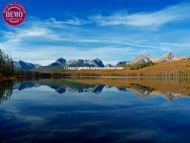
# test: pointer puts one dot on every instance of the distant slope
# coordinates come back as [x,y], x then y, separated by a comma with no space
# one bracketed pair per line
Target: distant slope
[58,62]
[140,60]
[168,69]
[168,57]
[122,63]
[21,65]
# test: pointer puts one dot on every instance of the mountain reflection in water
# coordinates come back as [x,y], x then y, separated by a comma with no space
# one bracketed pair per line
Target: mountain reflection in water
[94,111]
[63,86]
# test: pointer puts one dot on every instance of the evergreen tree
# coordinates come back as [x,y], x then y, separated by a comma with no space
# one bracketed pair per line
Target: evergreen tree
[6,65]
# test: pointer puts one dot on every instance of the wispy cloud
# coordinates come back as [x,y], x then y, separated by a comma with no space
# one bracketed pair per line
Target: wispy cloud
[18,35]
[43,41]
[151,20]
[148,19]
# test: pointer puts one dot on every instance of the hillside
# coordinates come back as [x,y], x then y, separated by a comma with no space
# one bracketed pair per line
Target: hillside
[171,69]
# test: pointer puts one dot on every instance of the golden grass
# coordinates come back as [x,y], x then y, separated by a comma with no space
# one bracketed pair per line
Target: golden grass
[177,68]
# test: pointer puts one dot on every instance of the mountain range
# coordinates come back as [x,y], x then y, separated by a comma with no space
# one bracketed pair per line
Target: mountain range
[61,62]
[21,65]
[77,63]
[168,57]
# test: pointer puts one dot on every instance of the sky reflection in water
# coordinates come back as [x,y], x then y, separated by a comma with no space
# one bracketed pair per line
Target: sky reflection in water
[72,112]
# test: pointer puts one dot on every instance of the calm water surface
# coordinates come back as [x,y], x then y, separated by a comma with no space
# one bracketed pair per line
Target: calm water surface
[57,112]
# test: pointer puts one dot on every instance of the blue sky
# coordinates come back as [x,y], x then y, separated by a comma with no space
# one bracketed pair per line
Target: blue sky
[112,30]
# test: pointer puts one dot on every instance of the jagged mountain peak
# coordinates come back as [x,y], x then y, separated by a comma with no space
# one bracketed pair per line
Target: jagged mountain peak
[140,59]
[97,59]
[169,56]
[61,60]
[85,63]
[98,62]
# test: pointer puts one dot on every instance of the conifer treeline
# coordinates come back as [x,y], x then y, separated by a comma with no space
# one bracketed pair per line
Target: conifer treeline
[6,65]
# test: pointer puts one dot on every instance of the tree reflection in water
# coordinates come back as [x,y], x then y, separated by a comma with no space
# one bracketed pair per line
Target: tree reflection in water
[140,88]
[6,89]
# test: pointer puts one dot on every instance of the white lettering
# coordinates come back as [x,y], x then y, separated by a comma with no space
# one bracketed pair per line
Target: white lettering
[16,14]
[93,68]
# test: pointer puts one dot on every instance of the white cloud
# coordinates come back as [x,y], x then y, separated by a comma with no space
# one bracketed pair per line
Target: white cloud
[43,41]
[148,19]
[18,35]
[74,21]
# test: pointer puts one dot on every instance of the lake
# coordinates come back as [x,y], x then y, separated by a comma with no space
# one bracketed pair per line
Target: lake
[95,111]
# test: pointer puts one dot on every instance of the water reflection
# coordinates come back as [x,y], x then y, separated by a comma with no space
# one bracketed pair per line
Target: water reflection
[37,113]
[62,87]
[78,86]
[6,88]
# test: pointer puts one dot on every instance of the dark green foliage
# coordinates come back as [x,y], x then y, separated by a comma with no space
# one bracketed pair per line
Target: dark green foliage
[140,66]
[6,65]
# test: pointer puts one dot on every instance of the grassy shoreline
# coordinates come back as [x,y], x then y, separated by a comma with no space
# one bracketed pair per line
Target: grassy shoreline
[169,70]
[8,78]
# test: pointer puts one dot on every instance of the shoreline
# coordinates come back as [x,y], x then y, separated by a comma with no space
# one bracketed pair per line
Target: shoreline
[100,77]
